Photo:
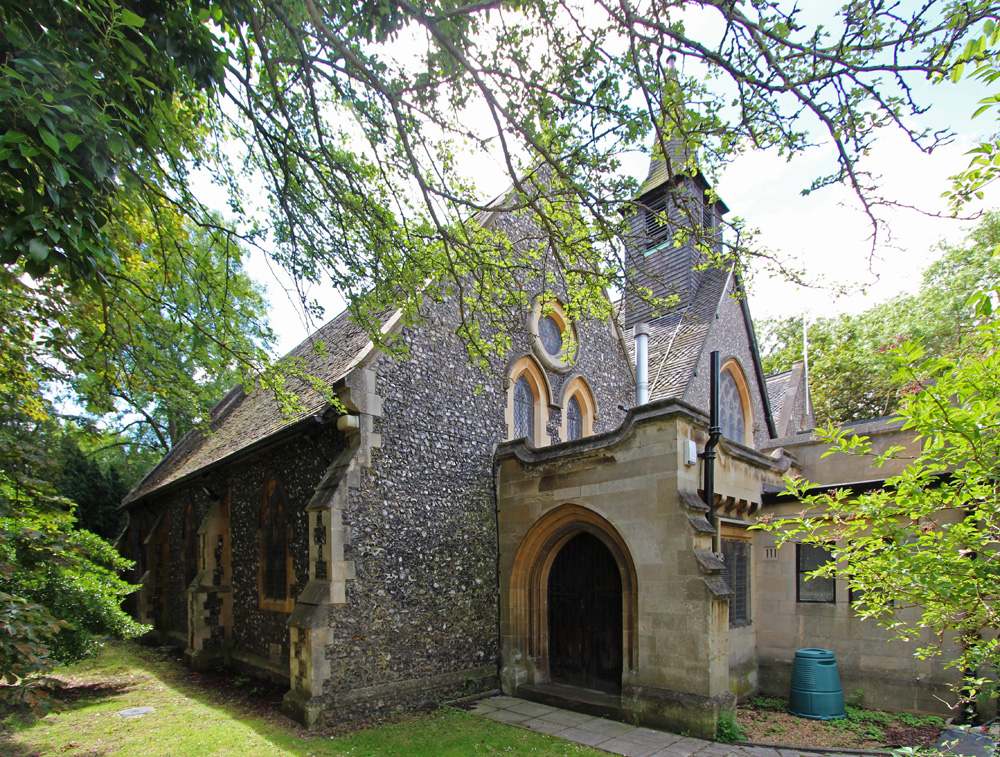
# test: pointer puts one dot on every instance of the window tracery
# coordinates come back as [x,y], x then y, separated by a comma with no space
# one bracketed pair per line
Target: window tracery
[191,566]
[275,570]
[574,420]
[579,410]
[527,402]
[734,404]
[524,408]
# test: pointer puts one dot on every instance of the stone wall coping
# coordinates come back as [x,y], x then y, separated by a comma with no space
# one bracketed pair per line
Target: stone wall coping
[869,427]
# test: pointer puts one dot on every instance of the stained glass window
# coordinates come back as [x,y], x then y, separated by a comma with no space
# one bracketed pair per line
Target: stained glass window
[190,546]
[551,335]
[524,409]
[274,538]
[574,420]
[731,407]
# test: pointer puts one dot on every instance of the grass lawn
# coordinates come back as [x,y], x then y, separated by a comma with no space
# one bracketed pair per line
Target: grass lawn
[191,719]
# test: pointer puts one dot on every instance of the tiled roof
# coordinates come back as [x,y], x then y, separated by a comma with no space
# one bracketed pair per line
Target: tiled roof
[239,420]
[776,387]
[676,339]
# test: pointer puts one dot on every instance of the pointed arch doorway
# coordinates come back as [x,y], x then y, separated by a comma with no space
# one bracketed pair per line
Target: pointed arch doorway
[568,608]
[585,616]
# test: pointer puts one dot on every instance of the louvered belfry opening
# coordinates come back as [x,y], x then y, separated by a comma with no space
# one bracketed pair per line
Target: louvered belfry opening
[660,260]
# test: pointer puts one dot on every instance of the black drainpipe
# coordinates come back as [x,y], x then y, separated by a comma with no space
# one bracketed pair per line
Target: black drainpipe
[714,433]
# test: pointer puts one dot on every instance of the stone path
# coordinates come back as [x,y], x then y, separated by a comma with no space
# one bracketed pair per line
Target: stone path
[615,737]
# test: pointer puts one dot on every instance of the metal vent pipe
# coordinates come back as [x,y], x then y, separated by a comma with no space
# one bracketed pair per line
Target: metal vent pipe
[641,333]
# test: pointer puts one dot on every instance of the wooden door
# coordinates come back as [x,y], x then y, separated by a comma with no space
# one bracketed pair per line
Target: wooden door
[585,616]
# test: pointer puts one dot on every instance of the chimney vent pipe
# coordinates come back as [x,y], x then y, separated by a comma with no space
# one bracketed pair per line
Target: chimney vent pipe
[641,333]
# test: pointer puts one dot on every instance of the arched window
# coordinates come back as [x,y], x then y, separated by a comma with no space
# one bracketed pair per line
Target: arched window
[191,546]
[275,569]
[527,402]
[734,405]
[524,408]
[574,420]
[579,410]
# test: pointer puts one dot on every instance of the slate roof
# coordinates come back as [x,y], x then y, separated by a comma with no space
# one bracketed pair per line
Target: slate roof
[676,339]
[776,387]
[660,171]
[239,420]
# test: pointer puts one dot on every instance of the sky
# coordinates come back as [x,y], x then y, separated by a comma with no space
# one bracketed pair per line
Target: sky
[825,233]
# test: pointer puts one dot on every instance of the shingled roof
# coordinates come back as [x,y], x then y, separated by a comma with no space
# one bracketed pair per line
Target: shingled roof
[676,339]
[776,387]
[240,420]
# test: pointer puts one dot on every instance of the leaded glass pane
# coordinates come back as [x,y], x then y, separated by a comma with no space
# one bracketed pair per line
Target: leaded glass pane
[812,557]
[574,420]
[190,546]
[275,547]
[524,408]
[736,555]
[731,409]
[551,335]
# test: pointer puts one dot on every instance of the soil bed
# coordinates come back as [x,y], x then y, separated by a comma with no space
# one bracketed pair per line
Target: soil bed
[764,719]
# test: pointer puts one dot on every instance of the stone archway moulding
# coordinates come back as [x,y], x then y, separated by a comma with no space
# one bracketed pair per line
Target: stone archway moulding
[530,577]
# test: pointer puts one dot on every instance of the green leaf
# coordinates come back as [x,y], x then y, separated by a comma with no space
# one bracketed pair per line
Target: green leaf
[133,50]
[49,139]
[62,175]
[131,19]
[38,250]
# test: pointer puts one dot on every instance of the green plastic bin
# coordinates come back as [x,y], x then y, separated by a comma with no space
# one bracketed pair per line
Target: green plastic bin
[816,692]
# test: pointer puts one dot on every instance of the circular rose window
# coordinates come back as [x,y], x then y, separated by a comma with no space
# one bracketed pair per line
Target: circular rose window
[554,336]
[551,335]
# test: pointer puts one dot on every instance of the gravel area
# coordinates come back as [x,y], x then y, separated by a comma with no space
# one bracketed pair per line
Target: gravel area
[764,720]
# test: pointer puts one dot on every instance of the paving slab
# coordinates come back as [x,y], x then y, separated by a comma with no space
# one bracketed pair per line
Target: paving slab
[506,716]
[543,726]
[966,743]
[532,709]
[619,738]
[567,718]
[580,736]
[607,728]
[482,708]
[629,748]
[659,739]
[502,701]
[669,752]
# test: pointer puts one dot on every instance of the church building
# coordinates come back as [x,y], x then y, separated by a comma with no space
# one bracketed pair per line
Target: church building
[539,526]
